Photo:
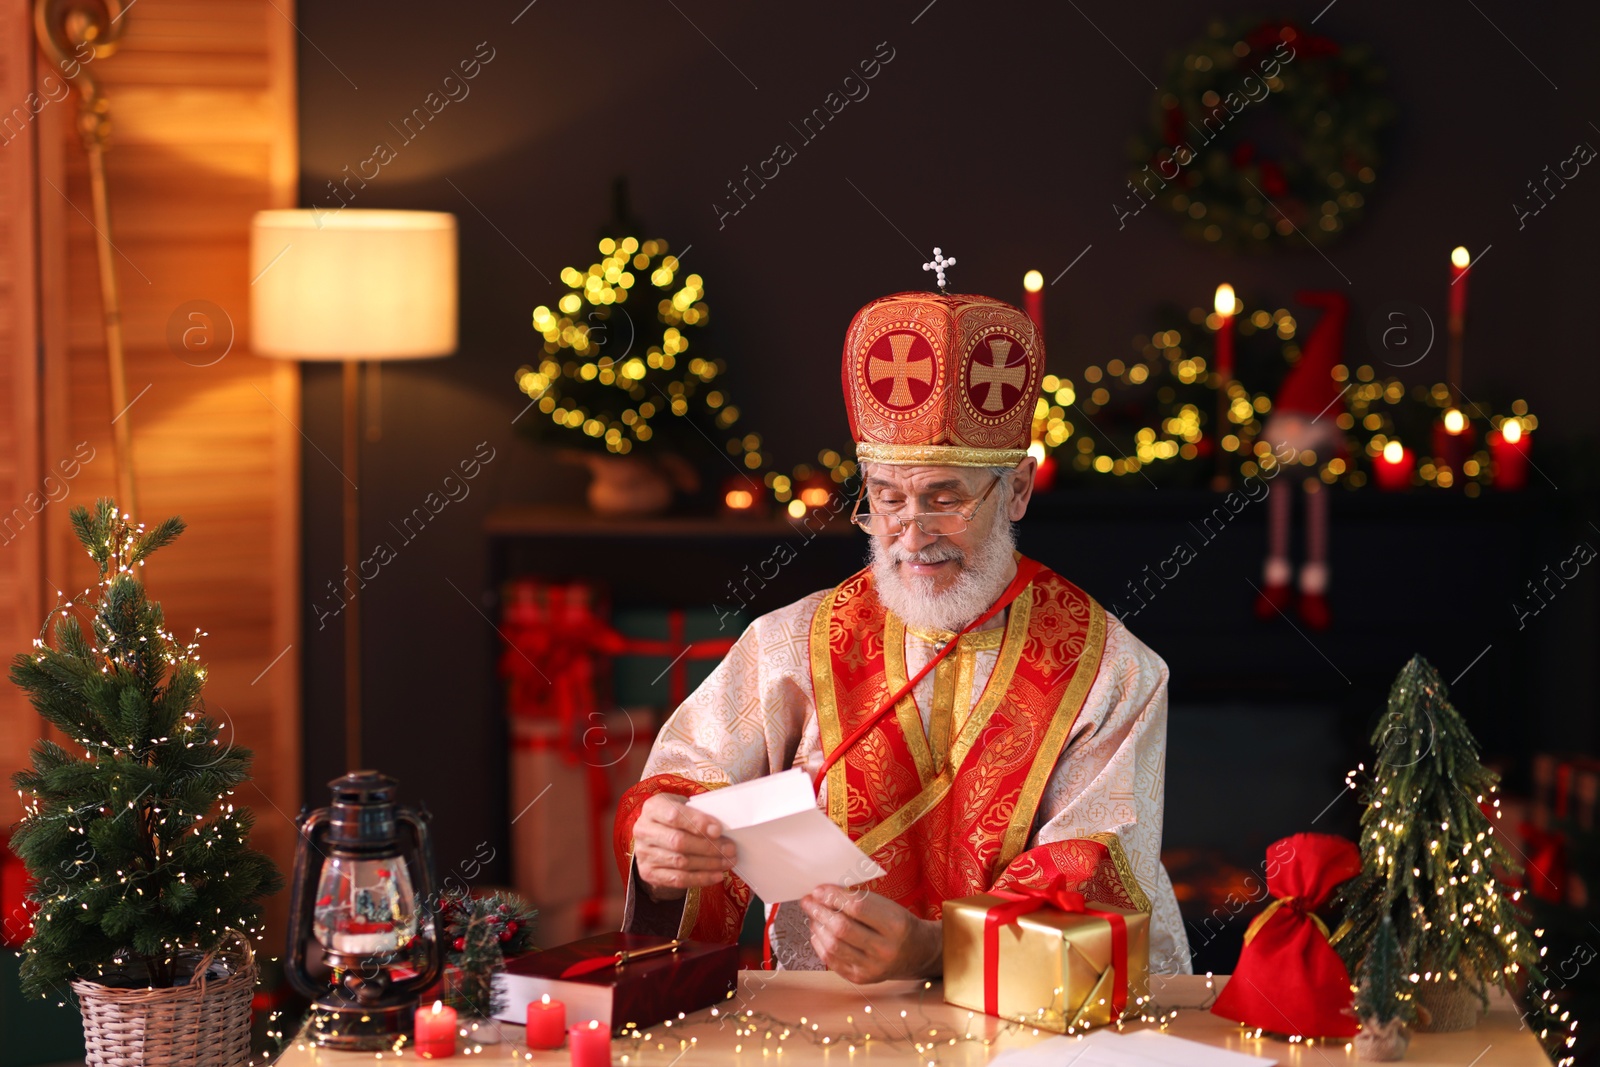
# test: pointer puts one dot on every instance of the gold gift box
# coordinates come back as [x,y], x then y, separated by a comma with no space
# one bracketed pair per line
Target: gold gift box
[1055,968]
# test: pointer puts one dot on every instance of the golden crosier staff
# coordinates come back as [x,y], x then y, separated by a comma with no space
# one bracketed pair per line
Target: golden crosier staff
[62,28]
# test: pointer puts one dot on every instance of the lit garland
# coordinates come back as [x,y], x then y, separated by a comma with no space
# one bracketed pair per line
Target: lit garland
[1173,369]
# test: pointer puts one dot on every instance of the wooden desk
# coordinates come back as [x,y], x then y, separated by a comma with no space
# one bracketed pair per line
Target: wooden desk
[904,1014]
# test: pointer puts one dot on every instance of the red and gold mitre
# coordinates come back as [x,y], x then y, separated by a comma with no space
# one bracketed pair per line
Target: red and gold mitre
[941,379]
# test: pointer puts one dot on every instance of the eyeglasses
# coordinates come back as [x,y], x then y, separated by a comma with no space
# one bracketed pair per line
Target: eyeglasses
[931,523]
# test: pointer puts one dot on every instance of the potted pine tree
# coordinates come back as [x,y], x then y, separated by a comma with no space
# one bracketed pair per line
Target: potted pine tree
[146,888]
[1429,861]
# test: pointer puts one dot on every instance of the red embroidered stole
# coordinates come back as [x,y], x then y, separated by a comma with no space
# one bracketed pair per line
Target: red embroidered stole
[945,814]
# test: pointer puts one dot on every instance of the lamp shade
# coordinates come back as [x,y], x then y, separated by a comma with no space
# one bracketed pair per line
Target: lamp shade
[353,284]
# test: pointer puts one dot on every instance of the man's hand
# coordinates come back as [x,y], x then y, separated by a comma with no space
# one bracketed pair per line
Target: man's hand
[678,848]
[864,937]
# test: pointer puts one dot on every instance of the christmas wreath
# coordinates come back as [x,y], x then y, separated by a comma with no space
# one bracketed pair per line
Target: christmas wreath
[1263,134]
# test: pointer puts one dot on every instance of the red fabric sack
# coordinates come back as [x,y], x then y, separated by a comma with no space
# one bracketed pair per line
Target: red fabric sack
[1289,979]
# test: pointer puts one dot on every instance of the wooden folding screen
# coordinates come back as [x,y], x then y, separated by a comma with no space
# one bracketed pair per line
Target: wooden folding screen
[202,98]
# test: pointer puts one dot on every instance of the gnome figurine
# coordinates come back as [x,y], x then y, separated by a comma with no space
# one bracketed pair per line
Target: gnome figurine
[1305,417]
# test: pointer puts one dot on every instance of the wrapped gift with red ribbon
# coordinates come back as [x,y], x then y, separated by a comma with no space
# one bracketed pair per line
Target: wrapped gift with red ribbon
[569,738]
[1289,979]
[556,636]
[1046,957]
[561,642]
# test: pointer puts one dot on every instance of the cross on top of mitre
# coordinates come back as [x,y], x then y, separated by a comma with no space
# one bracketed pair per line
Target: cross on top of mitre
[938,265]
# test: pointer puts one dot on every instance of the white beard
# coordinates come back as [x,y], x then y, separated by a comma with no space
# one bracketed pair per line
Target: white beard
[983,577]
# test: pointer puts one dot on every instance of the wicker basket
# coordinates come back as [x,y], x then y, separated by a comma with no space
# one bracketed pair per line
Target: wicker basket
[203,1024]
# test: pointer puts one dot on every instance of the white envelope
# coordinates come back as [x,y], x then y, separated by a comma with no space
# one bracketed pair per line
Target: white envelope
[787,846]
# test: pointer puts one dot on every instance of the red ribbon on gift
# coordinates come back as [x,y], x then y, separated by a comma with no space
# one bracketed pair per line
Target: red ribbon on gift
[1056,895]
[558,637]
[559,641]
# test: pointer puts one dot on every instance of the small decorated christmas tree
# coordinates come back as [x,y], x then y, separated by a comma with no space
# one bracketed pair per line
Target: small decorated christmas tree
[1383,1002]
[479,933]
[1430,853]
[140,861]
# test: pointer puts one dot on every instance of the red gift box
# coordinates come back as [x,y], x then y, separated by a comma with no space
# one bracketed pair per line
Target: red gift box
[625,981]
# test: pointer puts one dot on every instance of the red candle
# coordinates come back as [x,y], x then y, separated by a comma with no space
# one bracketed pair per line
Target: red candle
[1509,447]
[547,1023]
[1225,306]
[435,1031]
[1459,261]
[1044,478]
[1452,440]
[1392,468]
[590,1044]
[1033,299]
[744,494]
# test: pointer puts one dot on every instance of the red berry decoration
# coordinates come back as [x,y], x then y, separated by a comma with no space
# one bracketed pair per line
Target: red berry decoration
[459,944]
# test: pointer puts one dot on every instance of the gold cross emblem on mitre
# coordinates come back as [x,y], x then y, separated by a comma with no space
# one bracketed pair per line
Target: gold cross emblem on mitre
[902,368]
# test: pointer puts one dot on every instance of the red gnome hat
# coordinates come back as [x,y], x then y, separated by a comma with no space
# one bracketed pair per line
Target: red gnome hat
[1289,979]
[1308,387]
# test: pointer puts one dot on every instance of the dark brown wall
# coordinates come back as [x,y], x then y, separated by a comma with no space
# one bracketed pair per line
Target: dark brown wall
[997,131]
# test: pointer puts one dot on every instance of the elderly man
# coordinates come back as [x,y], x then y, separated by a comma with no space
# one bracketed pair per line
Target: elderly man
[970,719]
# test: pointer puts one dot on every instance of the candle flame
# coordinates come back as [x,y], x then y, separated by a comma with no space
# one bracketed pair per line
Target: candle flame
[1392,452]
[1511,430]
[1033,281]
[1454,421]
[545,998]
[1459,258]
[438,1006]
[594,1024]
[1225,302]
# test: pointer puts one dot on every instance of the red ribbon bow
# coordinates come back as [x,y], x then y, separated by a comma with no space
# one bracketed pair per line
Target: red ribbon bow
[1025,900]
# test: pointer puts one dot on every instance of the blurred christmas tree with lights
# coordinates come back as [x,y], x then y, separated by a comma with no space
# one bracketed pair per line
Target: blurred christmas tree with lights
[616,372]
[140,862]
[617,375]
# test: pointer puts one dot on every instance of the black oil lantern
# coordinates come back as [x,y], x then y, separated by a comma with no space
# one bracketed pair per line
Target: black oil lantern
[363,891]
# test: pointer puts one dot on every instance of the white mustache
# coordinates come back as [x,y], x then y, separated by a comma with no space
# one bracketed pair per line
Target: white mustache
[931,554]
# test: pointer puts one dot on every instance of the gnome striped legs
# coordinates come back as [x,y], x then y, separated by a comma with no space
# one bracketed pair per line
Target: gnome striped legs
[1275,589]
[1314,571]
[1278,572]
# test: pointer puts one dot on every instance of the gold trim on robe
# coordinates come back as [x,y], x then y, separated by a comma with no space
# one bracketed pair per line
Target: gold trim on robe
[1055,738]
[828,708]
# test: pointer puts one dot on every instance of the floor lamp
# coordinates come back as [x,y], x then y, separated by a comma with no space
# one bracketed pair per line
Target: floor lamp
[352,286]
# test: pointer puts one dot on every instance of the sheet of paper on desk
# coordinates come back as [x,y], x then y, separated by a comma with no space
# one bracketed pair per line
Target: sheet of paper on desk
[1134,1048]
[787,847]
